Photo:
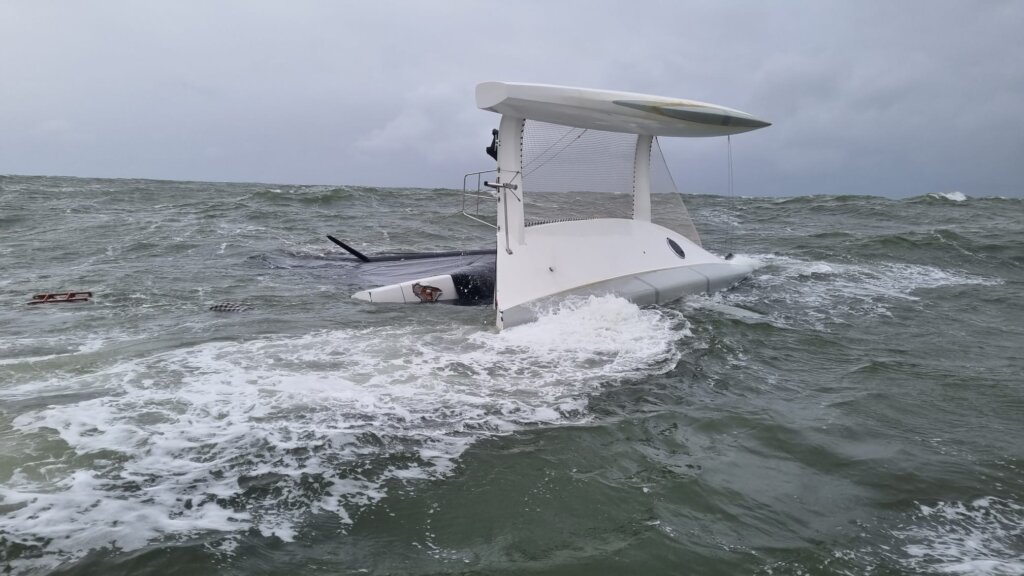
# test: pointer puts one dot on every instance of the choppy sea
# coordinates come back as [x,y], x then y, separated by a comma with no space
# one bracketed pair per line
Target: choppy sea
[854,407]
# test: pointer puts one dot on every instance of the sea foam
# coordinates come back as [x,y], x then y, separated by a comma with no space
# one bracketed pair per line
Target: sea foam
[981,537]
[954,196]
[826,291]
[223,437]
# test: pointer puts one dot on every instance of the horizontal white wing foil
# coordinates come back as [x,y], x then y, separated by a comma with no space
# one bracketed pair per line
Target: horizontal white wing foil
[613,111]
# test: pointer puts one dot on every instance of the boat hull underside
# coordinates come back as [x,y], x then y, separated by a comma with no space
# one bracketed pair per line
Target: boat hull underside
[646,288]
[639,260]
[470,280]
[464,280]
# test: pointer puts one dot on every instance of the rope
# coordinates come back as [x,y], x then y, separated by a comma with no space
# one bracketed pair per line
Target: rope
[556,154]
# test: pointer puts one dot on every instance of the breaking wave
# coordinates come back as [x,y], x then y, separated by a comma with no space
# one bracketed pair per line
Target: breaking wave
[954,196]
[224,437]
[826,292]
[981,537]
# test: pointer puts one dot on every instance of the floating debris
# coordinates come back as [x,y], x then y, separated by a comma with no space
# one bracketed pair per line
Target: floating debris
[48,297]
[230,307]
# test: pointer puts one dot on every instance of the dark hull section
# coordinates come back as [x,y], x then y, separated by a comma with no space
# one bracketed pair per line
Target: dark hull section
[472,273]
[475,283]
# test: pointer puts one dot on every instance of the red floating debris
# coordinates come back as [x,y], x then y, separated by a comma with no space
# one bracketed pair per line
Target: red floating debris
[46,298]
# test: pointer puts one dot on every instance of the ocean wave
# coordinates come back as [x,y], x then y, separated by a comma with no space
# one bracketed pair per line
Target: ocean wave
[308,195]
[912,243]
[822,292]
[821,199]
[224,437]
[980,537]
[955,196]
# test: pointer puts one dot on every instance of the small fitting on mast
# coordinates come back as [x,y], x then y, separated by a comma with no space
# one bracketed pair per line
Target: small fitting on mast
[499,186]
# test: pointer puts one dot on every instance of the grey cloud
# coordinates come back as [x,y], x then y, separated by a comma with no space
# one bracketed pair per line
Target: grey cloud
[869,97]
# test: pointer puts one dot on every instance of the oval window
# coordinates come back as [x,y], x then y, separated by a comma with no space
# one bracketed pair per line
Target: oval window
[676,248]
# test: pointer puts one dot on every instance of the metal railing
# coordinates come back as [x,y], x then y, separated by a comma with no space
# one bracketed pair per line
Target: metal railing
[473,196]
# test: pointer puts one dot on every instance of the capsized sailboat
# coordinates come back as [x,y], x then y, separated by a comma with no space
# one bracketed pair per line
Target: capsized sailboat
[584,204]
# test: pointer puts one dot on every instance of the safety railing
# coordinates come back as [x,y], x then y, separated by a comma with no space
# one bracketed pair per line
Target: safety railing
[472,196]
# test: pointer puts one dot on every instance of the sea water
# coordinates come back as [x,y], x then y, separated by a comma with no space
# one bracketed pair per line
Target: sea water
[855,407]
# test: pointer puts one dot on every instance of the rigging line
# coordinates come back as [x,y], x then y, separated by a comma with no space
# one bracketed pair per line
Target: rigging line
[513,179]
[688,228]
[555,155]
[671,178]
[553,145]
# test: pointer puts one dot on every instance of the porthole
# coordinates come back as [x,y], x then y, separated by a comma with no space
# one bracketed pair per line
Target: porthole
[676,248]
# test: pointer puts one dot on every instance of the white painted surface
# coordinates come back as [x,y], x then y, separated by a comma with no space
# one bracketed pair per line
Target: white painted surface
[642,178]
[613,111]
[628,257]
[565,256]
[403,294]
[510,178]
[646,288]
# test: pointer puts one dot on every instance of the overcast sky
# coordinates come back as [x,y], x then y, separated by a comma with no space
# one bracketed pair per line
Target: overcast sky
[867,97]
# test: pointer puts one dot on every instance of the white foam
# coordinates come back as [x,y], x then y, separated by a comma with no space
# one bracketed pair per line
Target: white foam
[748,260]
[709,215]
[226,436]
[954,196]
[715,303]
[826,291]
[978,538]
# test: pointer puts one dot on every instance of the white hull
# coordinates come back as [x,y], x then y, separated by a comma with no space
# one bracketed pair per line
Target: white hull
[603,252]
[629,258]
[413,292]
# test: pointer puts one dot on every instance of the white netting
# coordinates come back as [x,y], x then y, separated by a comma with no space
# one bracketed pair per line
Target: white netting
[667,207]
[576,173]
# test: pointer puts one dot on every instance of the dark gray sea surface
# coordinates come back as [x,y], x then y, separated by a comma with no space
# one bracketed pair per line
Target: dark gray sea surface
[854,407]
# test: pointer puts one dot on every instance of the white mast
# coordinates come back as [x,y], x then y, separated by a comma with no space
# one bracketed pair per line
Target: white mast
[642,178]
[511,219]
